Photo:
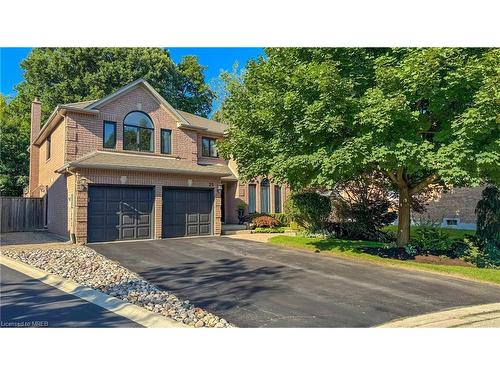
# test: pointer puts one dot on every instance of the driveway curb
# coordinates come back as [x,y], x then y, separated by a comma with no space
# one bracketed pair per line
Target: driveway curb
[115,305]
[485,316]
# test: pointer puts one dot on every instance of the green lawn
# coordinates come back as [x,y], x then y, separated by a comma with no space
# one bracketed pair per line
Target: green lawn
[350,249]
[455,234]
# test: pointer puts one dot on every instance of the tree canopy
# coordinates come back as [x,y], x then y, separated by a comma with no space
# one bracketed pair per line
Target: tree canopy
[66,75]
[14,158]
[314,117]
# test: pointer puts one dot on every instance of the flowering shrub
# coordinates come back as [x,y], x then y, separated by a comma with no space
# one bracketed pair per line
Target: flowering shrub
[265,222]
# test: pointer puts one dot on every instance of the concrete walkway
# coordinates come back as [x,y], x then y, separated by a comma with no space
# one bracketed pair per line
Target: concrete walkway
[258,237]
[480,316]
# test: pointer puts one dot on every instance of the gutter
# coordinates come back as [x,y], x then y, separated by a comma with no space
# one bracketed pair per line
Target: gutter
[152,169]
[200,128]
[70,167]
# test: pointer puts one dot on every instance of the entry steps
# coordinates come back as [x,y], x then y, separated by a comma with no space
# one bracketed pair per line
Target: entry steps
[235,229]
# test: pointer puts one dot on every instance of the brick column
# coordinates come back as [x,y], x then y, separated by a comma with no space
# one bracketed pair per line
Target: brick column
[81,211]
[272,203]
[158,208]
[36,115]
[218,216]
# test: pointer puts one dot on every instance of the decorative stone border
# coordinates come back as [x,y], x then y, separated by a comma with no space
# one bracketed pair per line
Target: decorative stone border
[87,268]
[115,305]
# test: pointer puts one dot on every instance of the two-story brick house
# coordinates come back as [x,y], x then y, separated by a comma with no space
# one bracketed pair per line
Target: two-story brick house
[130,166]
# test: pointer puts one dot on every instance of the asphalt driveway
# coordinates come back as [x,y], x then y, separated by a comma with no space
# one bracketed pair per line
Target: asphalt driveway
[27,302]
[258,285]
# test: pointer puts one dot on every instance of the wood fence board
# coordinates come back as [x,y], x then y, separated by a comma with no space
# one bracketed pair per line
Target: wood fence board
[19,214]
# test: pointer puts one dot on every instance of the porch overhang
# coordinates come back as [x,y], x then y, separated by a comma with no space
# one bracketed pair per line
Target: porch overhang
[144,163]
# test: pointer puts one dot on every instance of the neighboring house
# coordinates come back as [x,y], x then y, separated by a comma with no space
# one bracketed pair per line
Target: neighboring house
[452,209]
[130,166]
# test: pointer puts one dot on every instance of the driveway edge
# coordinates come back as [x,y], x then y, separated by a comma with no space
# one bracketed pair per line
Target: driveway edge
[484,316]
[381,264]
[115,305]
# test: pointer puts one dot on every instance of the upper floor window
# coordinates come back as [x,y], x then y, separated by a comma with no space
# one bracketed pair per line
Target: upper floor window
[138,132]
[48,142]
[208,147]
[166,141]
[109,134]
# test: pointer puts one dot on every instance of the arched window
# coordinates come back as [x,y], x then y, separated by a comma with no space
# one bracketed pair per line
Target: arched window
[264,196]
[138,132]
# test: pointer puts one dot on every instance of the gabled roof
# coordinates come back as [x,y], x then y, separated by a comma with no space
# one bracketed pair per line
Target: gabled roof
[185,119]
[133,162]
[138,82]
[204,123]
[81,105]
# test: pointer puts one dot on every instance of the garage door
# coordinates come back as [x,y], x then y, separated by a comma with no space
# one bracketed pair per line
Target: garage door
[187,212]
[119,213]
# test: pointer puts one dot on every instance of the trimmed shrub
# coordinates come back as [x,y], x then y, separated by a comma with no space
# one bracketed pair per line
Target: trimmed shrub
[265,221]
[309,209]
[270,230]
[429,239]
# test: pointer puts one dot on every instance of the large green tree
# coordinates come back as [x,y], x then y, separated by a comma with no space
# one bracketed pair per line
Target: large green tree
[66,75]
[316,117]
[14,158]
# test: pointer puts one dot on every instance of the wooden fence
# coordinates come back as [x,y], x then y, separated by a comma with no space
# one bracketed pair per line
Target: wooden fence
[18,214]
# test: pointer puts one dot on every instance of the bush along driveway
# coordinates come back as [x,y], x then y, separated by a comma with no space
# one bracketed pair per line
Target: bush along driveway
[358,249]
[253,284]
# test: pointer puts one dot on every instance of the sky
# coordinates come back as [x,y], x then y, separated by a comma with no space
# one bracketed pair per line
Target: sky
[215,59]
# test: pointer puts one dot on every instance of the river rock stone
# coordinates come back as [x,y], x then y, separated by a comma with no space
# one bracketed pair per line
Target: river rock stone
[91,269]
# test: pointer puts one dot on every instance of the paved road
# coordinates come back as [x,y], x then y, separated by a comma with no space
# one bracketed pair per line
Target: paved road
[258,285]
[28,302]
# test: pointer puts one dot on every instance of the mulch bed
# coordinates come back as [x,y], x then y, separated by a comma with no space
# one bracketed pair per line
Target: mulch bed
[434,259]
[401,254]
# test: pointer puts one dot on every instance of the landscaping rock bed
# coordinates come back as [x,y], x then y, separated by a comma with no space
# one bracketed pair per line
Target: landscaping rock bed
[89,268]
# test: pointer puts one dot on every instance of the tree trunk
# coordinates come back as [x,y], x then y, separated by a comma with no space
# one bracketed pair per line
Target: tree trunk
[404,216]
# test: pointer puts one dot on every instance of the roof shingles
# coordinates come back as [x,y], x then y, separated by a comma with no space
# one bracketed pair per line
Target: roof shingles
[134,162]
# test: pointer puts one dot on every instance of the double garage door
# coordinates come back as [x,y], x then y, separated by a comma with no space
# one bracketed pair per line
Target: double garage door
[126,212]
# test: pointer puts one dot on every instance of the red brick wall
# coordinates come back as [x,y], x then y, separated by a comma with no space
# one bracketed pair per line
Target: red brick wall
[53,185]
[36,114]
[458,203]
[85,131]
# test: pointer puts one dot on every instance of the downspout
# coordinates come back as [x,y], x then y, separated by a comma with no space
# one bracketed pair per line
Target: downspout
[73,206]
